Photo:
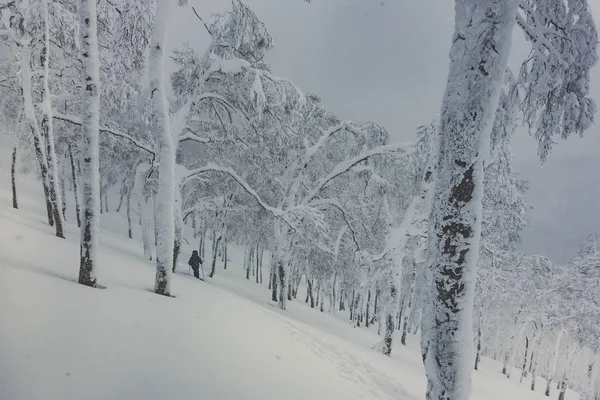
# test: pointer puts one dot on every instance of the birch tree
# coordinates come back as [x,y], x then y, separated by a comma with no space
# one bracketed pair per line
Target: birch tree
[563,41]
[90,169]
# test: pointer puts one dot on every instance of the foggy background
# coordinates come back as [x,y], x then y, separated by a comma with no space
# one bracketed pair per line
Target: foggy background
[387,61]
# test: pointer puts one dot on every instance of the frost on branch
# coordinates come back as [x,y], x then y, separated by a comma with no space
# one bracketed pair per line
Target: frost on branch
[555,78]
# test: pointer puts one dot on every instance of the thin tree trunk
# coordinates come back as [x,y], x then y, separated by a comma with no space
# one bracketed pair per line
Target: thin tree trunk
[524,369]
[213,268]
[31,120]
[262,251]
[128,202]
[274,281]
[63,200]
[13,177]
[90,171]
[368,306]
[75,188]
[389,326]
[247,258]
[122,196]
[563,389]
[257,262]
[48,131]
[533,370]
[225,250]
[479,57]
[478,354]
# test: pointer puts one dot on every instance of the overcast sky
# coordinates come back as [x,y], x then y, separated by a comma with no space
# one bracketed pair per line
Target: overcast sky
[387,61]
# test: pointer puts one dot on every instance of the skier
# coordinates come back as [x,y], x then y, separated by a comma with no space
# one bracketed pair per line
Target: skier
[195,262]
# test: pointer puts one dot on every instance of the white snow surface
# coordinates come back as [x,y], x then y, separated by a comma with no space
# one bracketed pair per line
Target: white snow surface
[222,339]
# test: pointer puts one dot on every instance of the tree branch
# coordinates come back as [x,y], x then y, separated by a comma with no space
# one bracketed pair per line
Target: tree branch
[347,165]
[77,121]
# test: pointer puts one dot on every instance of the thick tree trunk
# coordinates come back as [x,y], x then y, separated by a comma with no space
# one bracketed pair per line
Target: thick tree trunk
[90,171]
[479,55]
[165,226]
[75,188]
[13,177]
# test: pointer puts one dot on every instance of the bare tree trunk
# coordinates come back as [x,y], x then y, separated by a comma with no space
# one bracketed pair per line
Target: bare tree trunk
[225,250]
[215,246]
[13,177]
[262,251]
[63,200]
[533,370]
[128,202]
[524,371]
[273,281]
[90,172]
[563,389]
[47,128]
[75,188]
[389,325]
[478,354]
[368,306]
[122,195]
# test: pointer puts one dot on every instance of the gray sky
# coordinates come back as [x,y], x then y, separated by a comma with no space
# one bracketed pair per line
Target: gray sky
[387,61]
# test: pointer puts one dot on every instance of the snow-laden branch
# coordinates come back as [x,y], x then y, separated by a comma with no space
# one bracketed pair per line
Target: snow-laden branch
[347,165]
[190,136]
[334,203]
[536,34]
[312,150]
[77,121]
[210,167]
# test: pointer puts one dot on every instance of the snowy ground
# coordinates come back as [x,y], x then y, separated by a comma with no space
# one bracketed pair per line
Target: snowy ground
[221,339]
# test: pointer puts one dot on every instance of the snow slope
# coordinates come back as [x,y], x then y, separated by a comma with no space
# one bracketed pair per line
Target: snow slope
[221,339]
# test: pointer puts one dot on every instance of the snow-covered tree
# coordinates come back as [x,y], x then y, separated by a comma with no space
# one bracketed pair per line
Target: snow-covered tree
[555,83]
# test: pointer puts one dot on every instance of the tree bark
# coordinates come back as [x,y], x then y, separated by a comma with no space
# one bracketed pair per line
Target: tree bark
[389,325]
[90,171]
[128,203]
[75,188]
[478,354]
[31,120]
[524,369]
[563,389]
[273,279]
[48,131]
[479,57]
[164,209]
[13,177]
[213,268]
[122,196]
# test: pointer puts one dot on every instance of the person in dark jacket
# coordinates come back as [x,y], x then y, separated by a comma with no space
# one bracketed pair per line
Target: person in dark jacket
[195,262]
